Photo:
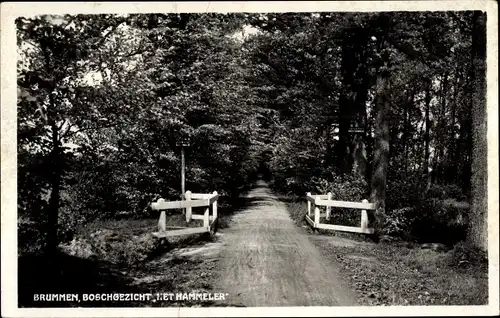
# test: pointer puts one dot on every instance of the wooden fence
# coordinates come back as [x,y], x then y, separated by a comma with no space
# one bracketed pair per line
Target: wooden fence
[191,201]
[317,201]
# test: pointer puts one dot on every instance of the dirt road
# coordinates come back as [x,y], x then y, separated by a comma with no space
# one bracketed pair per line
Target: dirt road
[268,261]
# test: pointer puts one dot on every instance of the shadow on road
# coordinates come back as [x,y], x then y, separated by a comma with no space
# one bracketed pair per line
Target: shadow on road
[65,274]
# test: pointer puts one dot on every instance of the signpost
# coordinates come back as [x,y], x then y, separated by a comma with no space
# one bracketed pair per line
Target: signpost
[356,130]
[183,142]
[356,126]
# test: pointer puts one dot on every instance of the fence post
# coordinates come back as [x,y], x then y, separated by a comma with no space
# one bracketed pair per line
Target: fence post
[364,217]
[206,224]
[308,194]
[328,208]
[214,207]
[189,210]
[162,222]
[316,215]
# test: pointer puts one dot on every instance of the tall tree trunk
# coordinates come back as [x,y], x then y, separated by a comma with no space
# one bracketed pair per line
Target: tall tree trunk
[355,86]
[359,156]
[56,179]
[381,151]
[343,162]
[452,144]
[464,140]
[360,160]
[427,136]
[405,136]
[478,224]
[56,166]
[440,132]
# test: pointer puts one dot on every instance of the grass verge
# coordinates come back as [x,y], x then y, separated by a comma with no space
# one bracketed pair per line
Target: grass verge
[399,273]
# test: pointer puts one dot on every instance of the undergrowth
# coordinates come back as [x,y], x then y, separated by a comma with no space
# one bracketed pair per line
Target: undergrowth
[121,256]
[387,274]
[403,273]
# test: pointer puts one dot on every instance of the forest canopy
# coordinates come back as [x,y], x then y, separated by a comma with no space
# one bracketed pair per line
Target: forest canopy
[363,105]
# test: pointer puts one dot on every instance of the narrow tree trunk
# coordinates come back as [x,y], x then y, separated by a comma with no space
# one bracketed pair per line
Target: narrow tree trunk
[342,149]
[344,162]
[381,152]
[360,160]
[393,133]
[478,224]
[56,178]
[462,149]
[56,163]
[427,139]
[406,120]
[452,142]
[359,156]
[440,132]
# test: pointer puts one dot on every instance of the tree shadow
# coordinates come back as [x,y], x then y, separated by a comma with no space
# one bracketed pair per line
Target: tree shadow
[61,273]
[66,274]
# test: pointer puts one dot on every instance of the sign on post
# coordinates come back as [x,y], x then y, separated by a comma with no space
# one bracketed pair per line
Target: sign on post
[183,142]
[356,130]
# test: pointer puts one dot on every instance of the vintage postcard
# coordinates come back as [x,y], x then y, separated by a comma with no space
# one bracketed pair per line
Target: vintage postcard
[196,159]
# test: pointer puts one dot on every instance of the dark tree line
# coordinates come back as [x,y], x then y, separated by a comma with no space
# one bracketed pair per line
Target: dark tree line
[386,97]
[379,105]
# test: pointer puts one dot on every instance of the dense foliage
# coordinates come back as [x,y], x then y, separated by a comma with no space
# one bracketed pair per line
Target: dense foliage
[364,105]
[320,76]
[103,101]
[375,106]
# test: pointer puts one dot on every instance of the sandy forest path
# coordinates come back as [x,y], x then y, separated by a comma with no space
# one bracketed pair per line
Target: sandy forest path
[268,261]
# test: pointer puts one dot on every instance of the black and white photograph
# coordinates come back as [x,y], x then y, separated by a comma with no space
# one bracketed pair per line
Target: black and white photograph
[232,159]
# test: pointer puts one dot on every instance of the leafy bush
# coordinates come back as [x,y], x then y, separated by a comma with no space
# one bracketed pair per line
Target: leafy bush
[447,191]
[296,162]
[29,236]
[349,187]
[404,193]
[431,220]
[436,215]
[115,247]
[463,255]
[399,223]
[443,221]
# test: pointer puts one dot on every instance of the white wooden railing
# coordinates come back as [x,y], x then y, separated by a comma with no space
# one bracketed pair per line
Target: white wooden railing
[191,201]
[314,202]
